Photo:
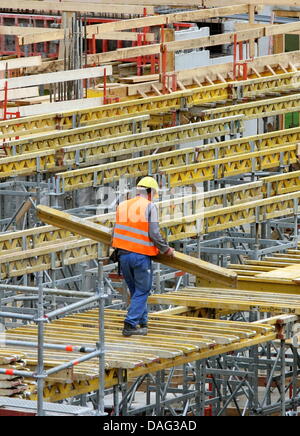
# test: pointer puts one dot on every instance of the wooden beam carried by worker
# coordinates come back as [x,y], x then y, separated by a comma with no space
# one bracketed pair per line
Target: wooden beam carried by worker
[96,232]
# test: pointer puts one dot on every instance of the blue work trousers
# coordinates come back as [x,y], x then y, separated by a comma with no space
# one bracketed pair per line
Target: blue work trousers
[137,272]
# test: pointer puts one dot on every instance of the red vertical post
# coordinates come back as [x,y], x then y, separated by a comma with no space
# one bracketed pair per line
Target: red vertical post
[5,100]
[235,56]
[104,46]
[152,60]
[245,71]
[46,49]
[208,409]
[163,66]
[174,82]
[18,50]
[93,44]
[35,44]
[134,43]
[241,54]
[145,31]
[139,58]
[104,87]
[17,115]
[2,37]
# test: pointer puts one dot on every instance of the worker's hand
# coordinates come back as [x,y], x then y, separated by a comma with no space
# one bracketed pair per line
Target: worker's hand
[170,252]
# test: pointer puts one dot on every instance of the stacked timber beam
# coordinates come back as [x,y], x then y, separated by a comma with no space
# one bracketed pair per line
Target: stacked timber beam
[13,385]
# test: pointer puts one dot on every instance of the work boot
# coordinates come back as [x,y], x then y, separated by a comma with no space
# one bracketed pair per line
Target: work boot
[144,326]
[129,330]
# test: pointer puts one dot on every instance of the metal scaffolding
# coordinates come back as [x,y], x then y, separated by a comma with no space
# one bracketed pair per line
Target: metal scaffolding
[225,198]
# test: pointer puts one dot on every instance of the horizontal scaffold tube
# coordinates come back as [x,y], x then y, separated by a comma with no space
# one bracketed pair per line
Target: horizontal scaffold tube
[50,291]
[68,348]
[74,362]
[16,316]
[71,307]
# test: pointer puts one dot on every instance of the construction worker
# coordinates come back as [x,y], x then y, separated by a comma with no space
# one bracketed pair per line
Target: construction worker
[137,238]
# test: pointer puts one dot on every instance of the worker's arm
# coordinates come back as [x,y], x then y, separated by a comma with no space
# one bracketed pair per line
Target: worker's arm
[154,231]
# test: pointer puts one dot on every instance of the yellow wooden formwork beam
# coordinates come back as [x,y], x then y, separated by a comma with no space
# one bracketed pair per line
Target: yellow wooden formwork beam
[178,167]
[60,391]
[47,247]
[275,285]
[257,109]
[216,3]
[228,217]
[78,135]
[231,166]
[53,157]
[39,237]
[98,233]
[116,111]
[79,146]
[199,95]
[85,140]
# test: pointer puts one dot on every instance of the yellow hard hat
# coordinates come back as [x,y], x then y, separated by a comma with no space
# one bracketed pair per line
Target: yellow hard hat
[149,182]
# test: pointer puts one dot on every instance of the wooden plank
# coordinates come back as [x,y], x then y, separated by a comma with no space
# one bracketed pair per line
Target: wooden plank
[290,272]
[126,36]
[285,13]
[47,108]
[76,7]
[203,42]
[42,36]
[169,35]
[143,22]
[18,94]
[186,3]
[212,71]
[65,76]
[12,64]
[140,79]
[259,64]
[99,233]
[216,3]
[280,29]
[21,30]
[234,300]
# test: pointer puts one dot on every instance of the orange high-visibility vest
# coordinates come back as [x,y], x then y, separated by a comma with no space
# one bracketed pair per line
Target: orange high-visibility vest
[131,231]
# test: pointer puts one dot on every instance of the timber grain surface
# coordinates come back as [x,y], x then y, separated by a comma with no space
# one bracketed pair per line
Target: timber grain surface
[170,339]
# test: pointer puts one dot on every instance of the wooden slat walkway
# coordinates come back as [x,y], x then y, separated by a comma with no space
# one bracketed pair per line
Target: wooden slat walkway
[170,340]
